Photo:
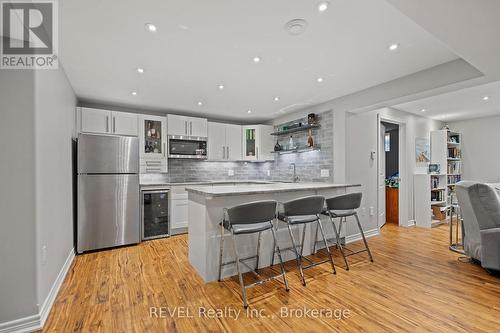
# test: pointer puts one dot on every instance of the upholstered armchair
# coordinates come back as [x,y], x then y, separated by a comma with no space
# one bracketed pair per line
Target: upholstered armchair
[480,207]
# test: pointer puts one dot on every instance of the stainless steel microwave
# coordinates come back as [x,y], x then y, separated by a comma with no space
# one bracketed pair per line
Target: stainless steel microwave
[180,146]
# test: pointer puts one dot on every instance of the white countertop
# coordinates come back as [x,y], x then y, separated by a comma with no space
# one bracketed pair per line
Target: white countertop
[206,182]
[241,189]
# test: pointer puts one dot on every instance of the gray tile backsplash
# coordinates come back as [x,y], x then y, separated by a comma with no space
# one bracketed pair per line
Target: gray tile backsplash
[308,164]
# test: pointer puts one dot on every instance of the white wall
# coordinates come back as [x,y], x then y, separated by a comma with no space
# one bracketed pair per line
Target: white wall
[36,125]
[54,127]
[362,139]
[481,159]
[17,196]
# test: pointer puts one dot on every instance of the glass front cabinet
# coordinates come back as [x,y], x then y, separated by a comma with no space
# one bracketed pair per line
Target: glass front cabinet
[153,144]
[257,143]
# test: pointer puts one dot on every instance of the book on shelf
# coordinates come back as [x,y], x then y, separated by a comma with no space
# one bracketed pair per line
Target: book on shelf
[454,167]
[453,152]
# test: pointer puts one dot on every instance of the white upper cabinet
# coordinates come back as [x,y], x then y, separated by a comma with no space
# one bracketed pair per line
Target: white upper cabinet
[224,142]
[216,141]
[153,144]
[125,123]
[95,121]
[108,122]
[257,143]
[187,126]
[233,142]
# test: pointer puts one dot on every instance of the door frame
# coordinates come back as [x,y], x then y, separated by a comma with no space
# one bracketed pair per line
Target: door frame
[403,169]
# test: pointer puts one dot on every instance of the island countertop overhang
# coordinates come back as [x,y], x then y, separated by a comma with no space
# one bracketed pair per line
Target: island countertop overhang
[248,189]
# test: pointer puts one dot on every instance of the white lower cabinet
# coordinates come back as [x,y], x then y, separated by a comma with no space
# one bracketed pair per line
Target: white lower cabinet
[178,207]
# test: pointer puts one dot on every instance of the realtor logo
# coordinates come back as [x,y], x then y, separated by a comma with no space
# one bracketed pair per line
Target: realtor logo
[29,34]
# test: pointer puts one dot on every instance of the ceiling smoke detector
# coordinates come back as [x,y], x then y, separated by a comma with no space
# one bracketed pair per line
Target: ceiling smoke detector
[296,27]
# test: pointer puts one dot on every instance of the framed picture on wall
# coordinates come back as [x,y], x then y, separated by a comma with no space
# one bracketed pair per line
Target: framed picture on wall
[422,151]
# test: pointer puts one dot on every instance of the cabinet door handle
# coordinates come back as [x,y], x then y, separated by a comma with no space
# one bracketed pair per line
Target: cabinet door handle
[190,128]
[164,149]
[114,124]
[257,152]
[107,124]
[223,153]
[227,152]
[186,127]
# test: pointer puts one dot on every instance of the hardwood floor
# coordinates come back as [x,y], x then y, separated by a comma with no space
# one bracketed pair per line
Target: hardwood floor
[415,285]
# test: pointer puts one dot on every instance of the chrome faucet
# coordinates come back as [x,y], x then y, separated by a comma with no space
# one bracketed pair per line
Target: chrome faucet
[295,177]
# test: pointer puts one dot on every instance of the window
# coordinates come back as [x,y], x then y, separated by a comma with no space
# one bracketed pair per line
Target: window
[387,142]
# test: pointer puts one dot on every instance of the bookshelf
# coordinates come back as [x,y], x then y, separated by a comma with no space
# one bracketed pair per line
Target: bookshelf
[445,151]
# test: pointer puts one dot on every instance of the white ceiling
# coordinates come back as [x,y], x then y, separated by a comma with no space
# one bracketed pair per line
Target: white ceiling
[201,44]
[458,105]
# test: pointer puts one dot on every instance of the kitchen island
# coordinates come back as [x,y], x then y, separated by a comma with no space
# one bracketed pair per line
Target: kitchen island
[205,211]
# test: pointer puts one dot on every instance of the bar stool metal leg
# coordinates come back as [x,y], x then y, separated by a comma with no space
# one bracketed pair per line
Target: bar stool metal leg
[243,289]
[363,236]
[326,245]
[277,248]
[315,240]
[337,236]
[221,249]
[298,257]
[303,238]
[258,251]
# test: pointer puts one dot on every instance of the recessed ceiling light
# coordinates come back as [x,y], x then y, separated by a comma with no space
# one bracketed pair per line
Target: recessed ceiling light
[134,93]
[319,79]
[423,110]
[485,98]
[200,103]
[276,98]
[393,47]
[249,111]
[256,59]
[140,70]
[221,87]
[151,27]
[323,6]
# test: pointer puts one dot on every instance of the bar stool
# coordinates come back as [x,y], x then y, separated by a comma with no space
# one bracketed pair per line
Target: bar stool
[304,211]
[343,206]
[250,218]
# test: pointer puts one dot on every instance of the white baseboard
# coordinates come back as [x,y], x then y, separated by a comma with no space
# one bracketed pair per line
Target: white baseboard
[357,237]
[36,322]
[51,297]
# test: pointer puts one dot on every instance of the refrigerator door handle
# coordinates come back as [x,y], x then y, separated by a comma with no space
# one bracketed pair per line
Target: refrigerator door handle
[107,124]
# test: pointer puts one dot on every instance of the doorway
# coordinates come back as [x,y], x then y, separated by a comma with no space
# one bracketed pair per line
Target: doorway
[390,169]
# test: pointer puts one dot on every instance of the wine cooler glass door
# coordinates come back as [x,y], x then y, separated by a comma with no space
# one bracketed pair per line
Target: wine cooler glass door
[155,214]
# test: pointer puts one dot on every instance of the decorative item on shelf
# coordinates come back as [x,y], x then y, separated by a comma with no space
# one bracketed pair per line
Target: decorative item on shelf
[311,118]
[277,146]
[434,168]
[290,143]
[446,127]
[310,141]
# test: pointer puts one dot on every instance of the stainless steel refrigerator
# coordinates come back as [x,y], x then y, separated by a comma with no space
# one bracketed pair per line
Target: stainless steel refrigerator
[108,192]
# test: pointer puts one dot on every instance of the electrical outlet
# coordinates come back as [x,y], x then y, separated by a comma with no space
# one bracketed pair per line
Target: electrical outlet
[230,172]
[44,254]
[372,211]
[268,173]
[363,211]
[325,173]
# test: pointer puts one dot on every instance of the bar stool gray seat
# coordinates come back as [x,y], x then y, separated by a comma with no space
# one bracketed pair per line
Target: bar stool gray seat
[342,207]
[304,211]
[250,218]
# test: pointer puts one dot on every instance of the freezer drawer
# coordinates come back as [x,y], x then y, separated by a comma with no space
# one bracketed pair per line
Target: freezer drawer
[107,154]
[108,211]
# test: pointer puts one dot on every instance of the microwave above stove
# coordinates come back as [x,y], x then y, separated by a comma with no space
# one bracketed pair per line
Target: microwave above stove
[180,146]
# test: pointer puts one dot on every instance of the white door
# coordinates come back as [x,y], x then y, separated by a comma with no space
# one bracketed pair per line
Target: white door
[198,127]
[381,177]
[233,142]
[95,121]
[125,123]
[177,125]
[217,141]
